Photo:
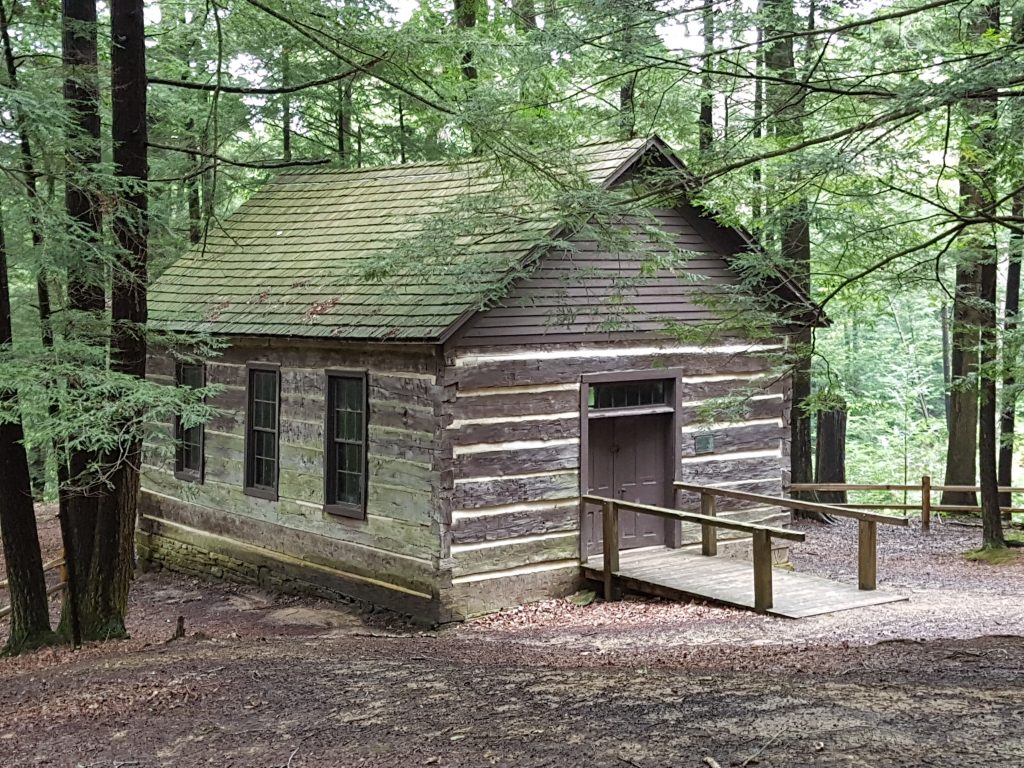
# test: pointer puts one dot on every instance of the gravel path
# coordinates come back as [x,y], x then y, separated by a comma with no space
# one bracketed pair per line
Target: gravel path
[265,681]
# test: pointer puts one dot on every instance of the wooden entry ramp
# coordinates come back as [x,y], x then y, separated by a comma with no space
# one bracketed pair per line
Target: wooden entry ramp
[667,573]
[681,574]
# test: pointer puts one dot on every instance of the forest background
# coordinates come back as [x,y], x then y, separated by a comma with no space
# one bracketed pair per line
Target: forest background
[873,149]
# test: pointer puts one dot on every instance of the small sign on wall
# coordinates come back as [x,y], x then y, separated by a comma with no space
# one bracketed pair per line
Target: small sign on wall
[704,442]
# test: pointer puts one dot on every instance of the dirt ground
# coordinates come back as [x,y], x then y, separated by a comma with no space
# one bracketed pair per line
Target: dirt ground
[277,682]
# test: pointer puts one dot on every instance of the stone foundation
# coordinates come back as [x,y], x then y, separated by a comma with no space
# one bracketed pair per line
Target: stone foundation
[477,598]
[161,545]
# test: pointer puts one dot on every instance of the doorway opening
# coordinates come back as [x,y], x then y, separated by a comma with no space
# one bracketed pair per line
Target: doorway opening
[630,448]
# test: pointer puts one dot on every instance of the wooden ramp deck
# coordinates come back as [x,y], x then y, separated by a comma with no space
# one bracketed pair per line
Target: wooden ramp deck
[677,573]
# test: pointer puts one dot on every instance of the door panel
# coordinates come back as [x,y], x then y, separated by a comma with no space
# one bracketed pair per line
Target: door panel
[627,460]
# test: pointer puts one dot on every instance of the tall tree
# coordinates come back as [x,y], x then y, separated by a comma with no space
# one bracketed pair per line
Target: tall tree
[79,507]
[465,19]
[1011,347]
[706,117]
[978,182]
[30,614]
[784,97]
[112,559]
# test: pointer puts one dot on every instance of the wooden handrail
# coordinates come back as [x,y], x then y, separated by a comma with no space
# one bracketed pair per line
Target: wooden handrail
[762,535]
[805,506]
[867,533]
[693,517]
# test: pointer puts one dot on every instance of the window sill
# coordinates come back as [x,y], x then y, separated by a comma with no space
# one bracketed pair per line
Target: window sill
[189,476]
[347,511]
[267,494]
[641,410]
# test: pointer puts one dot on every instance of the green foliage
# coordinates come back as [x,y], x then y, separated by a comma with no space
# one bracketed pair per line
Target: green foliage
[891,85]
[993,556]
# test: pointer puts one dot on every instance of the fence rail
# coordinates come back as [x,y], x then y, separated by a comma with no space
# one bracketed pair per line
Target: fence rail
[57,562]
[925,488]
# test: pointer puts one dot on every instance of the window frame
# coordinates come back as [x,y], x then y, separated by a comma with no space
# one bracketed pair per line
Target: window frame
[331,505]
[268,493]
[180,471]
[638,378]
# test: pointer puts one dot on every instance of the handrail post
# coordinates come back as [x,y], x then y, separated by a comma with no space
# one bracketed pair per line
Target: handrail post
[762,570]
[610,544]
[926,503]
[866,549]
[708,533]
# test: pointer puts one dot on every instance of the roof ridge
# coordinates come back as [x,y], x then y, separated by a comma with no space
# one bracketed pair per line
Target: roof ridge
[451,164]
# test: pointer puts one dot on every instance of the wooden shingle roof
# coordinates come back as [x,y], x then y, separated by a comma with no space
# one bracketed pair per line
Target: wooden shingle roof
[294,259]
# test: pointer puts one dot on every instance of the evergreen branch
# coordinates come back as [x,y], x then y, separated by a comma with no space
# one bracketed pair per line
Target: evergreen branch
[829,31]
[258,164]
[255,91]
[313,36]
[951,233]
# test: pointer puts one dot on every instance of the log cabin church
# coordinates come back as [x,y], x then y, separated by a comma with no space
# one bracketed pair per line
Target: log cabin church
[394,442]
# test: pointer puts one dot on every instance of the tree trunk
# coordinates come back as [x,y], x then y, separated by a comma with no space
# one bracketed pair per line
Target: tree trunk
[970,314]
[705,122]
[525,14]
[947,372]
[286,108]
[1011,349]
[830,454]
[979,178]
[86,297]
[756,204]
[627,90]
[344,121]
[30,612]
[992,526]
[402,137]
[465,18]
[112,559]
[784,98]
[962,443]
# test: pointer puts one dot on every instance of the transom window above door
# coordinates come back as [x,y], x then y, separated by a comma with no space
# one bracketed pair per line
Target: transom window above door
[619,395]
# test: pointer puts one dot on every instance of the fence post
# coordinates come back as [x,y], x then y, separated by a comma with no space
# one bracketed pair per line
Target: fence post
[610,523]
[926,503]
[867,543]
[708,533]
[762,570]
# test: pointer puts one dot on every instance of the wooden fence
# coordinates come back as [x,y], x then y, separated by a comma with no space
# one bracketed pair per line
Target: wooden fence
[925,506]
[57,562]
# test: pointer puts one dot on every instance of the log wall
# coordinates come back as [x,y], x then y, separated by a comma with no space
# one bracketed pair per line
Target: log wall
[512,417]
[390,558]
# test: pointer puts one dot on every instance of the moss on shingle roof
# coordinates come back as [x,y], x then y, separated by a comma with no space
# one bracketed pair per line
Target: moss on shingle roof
[293,260]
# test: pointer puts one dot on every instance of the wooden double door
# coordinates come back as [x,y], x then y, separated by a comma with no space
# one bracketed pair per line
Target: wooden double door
[629,459]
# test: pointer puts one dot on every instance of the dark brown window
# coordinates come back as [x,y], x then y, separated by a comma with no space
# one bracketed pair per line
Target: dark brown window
[262,432]
[628,394]
[345,449]
[188,455]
